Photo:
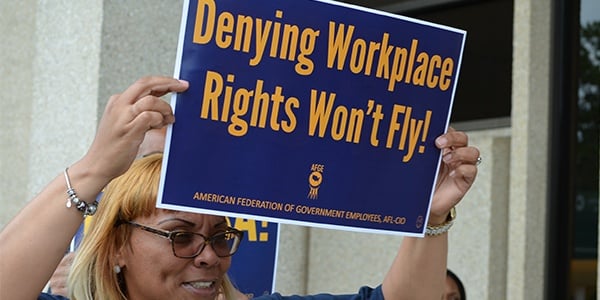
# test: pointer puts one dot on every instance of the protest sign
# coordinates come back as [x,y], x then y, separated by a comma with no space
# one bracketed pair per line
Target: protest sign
[254,264]
[309,112]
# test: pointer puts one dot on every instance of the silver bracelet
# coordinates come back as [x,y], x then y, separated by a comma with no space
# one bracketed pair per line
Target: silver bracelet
[88,209]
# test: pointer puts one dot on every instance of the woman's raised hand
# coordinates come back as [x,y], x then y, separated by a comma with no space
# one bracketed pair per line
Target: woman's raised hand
[126,119]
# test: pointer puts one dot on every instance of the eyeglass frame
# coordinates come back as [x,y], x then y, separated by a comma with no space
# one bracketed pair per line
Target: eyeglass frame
[207,240]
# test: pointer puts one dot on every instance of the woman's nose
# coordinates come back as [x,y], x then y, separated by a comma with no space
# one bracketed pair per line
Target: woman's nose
[208,257]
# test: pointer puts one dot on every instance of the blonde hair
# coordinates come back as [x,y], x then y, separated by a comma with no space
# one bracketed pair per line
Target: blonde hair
[127,197]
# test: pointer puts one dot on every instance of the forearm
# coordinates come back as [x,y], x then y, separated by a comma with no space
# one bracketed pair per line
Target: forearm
[36,239]
[419,269]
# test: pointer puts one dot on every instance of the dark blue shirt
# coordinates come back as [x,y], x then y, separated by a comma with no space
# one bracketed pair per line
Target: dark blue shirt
[364,293]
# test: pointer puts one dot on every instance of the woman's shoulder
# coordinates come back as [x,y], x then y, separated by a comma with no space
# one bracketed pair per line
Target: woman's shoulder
[44,296]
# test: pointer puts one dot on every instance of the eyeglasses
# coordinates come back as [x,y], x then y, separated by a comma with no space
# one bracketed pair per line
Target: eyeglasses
[190,244]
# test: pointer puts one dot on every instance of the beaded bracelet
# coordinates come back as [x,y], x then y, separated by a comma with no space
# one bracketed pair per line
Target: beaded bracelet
[88,209]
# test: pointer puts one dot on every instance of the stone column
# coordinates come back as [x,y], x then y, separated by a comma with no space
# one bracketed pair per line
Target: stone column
[529,149]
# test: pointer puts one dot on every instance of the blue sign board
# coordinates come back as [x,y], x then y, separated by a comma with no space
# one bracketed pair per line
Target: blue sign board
[309,112]
[253,266]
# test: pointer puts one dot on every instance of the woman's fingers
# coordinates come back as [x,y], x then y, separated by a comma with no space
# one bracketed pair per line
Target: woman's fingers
[457,172]
[462,155]
[155,86]
[139,106]
[151,112]
[455,148]
[452,139]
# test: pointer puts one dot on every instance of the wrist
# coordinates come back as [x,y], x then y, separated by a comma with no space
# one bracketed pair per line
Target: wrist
[86,208]
[435,227]
[87,180]
[90,171]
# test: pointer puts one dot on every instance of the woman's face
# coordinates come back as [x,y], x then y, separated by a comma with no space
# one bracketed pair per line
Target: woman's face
[150,269]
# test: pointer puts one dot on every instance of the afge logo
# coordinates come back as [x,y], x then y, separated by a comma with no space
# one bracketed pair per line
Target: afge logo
[314,180]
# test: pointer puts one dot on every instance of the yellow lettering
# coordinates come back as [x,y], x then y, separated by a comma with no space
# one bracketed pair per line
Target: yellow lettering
[223,36]
[447,69]
[319,114]
[212,90]
[287,41]
[290,124]
[338,45]
[234,105]
[434,63]
[247,225]
[421,70]
[204,35]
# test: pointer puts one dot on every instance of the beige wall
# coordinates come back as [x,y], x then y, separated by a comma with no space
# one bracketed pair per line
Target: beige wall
[50,79]
[61,60]
[16,73]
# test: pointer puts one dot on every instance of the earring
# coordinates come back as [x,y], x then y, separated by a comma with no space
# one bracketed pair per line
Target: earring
[117,269]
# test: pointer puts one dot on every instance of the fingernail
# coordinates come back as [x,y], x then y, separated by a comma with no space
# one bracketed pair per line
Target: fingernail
[441,142]
[183,81]
[447,157]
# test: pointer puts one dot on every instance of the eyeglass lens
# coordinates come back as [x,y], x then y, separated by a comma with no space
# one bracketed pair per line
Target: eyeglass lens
[188,244]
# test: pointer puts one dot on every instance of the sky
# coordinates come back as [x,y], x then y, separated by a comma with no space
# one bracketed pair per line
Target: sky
[590,11]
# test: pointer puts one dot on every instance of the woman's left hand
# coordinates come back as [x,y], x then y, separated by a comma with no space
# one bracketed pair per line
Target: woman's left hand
[457,173]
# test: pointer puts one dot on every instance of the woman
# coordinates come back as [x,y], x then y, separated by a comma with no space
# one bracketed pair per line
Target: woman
[135,251]
[455,290]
